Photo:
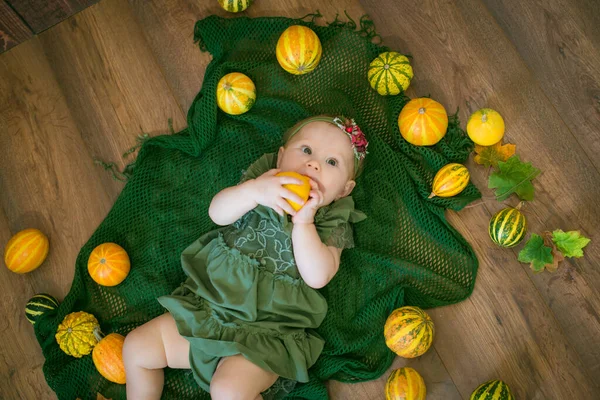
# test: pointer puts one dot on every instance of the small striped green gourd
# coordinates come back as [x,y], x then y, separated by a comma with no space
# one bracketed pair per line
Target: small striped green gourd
[508,227]
[450,180]
[492,390]
[408,331]
[235,6]
[390,73]
[405,384]
[38,305]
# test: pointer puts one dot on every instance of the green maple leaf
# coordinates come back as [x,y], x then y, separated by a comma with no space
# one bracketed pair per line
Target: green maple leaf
[514,176]
[570,243]
[536,253]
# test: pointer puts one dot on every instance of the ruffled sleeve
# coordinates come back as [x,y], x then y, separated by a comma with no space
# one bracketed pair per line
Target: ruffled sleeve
[334,223]
[259,167]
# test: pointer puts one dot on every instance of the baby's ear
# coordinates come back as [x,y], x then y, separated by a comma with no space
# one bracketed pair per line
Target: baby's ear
[347,188]
[279,155]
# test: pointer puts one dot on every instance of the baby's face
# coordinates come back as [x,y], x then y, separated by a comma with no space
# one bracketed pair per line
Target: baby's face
[324,153]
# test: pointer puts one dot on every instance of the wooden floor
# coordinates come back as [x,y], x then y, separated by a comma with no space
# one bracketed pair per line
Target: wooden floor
[86,87]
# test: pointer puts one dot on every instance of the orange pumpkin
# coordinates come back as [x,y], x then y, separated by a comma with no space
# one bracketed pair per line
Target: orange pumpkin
[298,50]
[108,264]
[405,384]
[108,357]
[408,331]
[302,190]
[26,251]
[423,122]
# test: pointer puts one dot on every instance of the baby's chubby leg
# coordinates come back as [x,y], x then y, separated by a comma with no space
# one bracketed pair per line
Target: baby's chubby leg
[236,378]
[147,350]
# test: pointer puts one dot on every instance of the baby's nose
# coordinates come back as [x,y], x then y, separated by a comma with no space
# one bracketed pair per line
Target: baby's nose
[314,164]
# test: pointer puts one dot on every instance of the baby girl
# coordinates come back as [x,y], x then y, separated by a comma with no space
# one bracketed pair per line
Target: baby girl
[247,312]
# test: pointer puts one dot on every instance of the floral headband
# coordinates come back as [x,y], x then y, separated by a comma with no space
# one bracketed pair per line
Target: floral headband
[349,127]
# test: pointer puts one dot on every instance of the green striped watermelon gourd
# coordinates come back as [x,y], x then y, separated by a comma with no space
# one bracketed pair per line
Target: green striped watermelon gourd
[235,5]
[492,390]
[508,227]
[390,73]
[38,305]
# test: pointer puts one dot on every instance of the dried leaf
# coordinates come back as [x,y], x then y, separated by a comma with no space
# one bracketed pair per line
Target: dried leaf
[514,176]
[570,243]
[556,254]
[490,155]
[535,253]
[100,397]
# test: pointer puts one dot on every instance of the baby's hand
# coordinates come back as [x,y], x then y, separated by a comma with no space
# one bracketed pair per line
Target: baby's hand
[268,190]
[306,215]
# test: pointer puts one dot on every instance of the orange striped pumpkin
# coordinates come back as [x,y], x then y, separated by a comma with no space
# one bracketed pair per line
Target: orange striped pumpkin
[409,331]
[236,93]
[109,264]
[298,50]
[26,251]
[405,384]
[423,122]
[108,357]
[450,180]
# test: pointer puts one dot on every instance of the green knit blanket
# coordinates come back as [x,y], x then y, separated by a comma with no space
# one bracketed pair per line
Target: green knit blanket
[406,252]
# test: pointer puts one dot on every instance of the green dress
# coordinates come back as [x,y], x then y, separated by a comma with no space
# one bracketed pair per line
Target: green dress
[244,294]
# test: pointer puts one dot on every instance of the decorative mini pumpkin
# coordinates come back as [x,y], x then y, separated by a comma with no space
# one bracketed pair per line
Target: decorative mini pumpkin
[301,190]
[26,251]
[450,180]
[236,93]
[409,331]
[492,390]
[298,50]
[423,122]
[508,227]
[75,334]
[38,305]
[235,6]
[390,73]
[485,127]
[109,264]
[108,356]
[405,384]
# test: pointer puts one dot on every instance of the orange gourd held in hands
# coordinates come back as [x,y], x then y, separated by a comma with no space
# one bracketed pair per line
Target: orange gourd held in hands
[302,190]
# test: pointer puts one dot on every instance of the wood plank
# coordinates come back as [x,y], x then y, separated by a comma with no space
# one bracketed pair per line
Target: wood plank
[458,51]
[12,29]
[563,53]
[111,82]
[41,15]
[98,88]
[437,381]
[47,182]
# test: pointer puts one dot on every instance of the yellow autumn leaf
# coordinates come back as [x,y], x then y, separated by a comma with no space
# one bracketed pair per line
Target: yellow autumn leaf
[100,397]
[490,155]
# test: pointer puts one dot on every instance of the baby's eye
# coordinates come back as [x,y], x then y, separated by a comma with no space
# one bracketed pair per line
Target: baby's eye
[306,150]
[332,161]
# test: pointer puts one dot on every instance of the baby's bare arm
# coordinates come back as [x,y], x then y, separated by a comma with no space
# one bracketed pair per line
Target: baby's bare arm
[231,203]
[317,263]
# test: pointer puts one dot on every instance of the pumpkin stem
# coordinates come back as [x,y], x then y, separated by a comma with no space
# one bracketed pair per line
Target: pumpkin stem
[422,110]
[484,118]
[432,195]
[226,86]
[98,333]
[518,207]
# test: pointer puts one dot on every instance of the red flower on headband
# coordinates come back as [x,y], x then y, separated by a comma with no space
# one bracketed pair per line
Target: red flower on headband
[357,137]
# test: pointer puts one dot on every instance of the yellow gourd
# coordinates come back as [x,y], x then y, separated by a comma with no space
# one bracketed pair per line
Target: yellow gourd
[485,127]
[75,334]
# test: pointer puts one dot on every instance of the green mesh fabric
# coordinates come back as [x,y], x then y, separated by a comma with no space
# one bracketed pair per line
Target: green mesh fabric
[405,252]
